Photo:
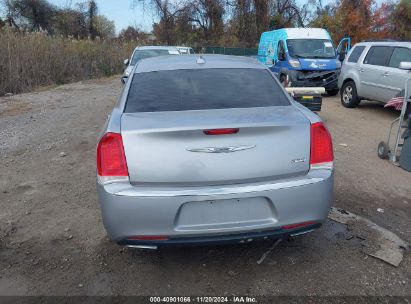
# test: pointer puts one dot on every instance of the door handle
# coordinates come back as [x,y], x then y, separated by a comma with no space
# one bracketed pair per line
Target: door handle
[361,70]
[385,74]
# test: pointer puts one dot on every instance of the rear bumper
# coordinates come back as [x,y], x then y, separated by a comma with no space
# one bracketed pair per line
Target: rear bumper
[177,212]
[234,238]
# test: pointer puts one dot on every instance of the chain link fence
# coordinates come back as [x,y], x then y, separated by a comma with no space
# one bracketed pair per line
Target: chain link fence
[236,51]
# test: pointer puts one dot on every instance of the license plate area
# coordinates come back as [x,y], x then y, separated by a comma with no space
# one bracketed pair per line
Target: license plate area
[224,214]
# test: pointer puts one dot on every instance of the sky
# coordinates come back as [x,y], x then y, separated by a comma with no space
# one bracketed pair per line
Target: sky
[122,12]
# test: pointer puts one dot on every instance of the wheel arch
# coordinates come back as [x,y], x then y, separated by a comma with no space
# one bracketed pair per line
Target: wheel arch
[347,80]
[356,82]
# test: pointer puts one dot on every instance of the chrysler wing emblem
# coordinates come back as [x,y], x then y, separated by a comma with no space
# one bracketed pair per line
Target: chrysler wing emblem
[221,149]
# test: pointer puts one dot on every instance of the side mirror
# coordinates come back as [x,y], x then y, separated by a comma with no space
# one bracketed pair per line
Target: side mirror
[341,56]
[281,56]
[126,62]
[123,80]
[405,65]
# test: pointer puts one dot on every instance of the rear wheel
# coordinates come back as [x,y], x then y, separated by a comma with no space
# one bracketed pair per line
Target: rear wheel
[383,150]
[349,97]
[332,92]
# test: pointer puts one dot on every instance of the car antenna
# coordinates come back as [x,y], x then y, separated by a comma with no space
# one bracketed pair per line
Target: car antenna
[200,60]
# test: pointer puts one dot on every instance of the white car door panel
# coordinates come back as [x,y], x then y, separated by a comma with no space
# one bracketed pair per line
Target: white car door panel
[395,77]
[373,74]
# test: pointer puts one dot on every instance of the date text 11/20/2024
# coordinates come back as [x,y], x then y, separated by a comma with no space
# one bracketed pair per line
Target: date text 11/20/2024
[204,299]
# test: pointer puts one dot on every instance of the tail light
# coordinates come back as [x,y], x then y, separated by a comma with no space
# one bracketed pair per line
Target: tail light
[321,147]
[111,160]
[221,131]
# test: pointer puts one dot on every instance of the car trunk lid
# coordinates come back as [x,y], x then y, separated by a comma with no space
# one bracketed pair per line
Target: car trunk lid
[172,147]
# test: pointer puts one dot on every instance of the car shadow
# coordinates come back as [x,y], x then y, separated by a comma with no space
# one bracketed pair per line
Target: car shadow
[378,107]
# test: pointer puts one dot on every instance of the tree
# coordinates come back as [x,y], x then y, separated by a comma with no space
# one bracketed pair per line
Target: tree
[208,16]
[92,14]
[168,12]
[104,28]
[401,20]
[71,22]
[286,13]
[244,23]
[132,33]
[358,19]
[381,25]
[34,15]
[261,15]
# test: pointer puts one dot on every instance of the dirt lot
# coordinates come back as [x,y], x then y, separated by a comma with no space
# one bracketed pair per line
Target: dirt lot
[53,241]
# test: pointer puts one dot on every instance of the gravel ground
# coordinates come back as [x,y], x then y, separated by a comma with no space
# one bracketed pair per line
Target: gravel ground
[52,241]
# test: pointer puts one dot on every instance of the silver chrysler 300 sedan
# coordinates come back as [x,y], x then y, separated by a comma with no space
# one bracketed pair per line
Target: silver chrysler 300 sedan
[211,149]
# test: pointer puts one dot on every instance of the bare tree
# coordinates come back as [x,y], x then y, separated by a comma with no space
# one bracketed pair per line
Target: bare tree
[244,22]
[208,15]
[168,12]
[92,13]
[71,22]
[34,15]
[286,13]
[261,15]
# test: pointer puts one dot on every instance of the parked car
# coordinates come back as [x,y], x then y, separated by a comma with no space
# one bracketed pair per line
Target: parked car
[142,52]
[211,149]
[303,57]
[185,50]
[372,71]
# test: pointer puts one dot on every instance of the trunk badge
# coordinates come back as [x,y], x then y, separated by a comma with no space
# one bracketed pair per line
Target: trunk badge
[298,160]
[229,149]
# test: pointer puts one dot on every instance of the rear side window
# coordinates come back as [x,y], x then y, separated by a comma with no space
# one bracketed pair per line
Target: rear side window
[356,53]
[201,89]
[378,55]
[399,55]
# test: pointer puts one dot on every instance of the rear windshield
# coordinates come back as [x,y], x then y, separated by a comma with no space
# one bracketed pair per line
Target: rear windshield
[181,90]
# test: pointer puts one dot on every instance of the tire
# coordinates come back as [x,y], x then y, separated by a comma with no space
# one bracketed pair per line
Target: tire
[383,150]
[332,92]
[349,96]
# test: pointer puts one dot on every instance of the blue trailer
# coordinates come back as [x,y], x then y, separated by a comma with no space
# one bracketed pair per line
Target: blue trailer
[303,57]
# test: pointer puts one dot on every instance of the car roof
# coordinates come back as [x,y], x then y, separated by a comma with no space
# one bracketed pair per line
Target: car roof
[297,33]
[157,47]
[385,43]
[168,63]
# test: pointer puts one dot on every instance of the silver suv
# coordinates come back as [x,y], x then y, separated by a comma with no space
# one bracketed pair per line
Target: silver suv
[372,71]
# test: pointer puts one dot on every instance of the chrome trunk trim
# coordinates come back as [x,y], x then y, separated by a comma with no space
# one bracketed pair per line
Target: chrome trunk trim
[129,190]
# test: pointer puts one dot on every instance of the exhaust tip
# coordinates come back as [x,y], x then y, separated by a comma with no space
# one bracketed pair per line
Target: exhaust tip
[302,232]
[146,247]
